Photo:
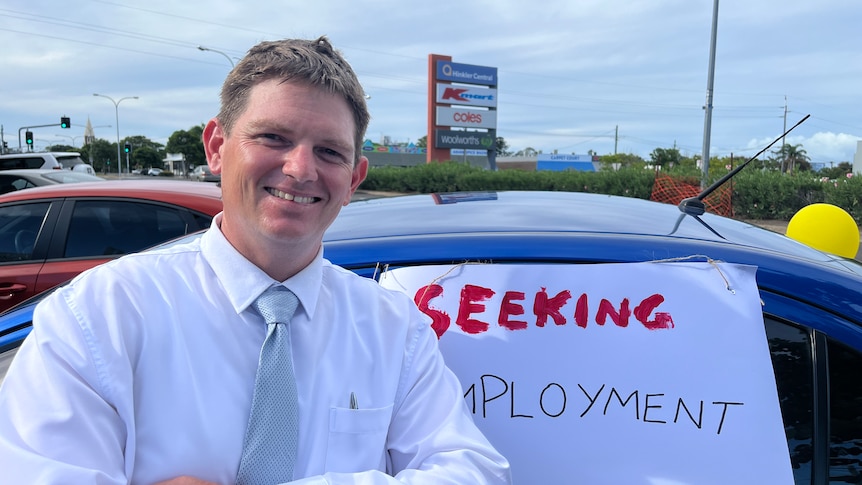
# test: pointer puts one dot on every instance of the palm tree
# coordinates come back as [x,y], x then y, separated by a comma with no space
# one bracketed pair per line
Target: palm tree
[791,156]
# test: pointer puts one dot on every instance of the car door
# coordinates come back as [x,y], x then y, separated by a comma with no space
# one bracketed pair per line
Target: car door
[819,392]
[44,244]
[96,230]
[25,231]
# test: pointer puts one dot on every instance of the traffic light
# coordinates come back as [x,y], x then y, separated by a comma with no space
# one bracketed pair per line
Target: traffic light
[28,136]
[64,122]
[127,148]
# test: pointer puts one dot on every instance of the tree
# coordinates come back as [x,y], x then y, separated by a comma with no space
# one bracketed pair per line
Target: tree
[619,161]
[61,148]
[422,142]
[665,157]
[770,164]
[836,172]
[145,152]
[689,164]
[190,144]
[502,147]
[101,154]
[792,157]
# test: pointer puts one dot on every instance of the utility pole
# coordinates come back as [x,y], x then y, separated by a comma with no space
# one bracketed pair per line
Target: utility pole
[616,138]
[784,160]
[707,121]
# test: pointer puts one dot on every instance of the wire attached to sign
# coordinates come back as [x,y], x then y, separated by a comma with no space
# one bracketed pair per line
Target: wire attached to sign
[694,257]
[712,262]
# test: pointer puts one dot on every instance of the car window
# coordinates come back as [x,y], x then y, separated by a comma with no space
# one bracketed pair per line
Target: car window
[202,221]
[69,161]
[845,423]
[19,226]
[22,183]
[11,183]
[102,228]
[790,347]
[9,163]
[15,163]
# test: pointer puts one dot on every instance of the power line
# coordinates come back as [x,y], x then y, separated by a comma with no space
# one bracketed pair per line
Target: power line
[78,41]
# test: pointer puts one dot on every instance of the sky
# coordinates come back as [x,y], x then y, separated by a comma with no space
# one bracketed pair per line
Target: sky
[610,76]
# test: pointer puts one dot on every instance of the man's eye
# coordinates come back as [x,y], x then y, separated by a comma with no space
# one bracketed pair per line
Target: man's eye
[331,155]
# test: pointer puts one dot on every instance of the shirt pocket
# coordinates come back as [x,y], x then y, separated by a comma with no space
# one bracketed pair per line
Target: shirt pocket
[357,438]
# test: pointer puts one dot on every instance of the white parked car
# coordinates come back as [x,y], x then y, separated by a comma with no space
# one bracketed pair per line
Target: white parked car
[46,160]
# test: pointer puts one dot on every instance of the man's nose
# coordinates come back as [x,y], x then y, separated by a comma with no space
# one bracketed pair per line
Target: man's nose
[300,163]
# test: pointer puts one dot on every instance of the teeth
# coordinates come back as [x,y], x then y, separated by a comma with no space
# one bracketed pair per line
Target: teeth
[286,196]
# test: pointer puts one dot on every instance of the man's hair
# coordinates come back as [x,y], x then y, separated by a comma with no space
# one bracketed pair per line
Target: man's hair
[311,62]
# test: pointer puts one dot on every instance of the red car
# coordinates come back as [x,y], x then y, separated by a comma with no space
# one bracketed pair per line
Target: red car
[50,234]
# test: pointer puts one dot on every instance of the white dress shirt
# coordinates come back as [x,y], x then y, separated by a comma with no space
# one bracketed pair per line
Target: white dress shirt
[143,369]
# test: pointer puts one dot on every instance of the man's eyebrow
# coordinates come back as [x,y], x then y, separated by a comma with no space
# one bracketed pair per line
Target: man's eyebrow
[267,125]
[274,126]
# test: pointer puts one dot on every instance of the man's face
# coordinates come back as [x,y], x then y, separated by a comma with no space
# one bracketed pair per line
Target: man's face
[287,167]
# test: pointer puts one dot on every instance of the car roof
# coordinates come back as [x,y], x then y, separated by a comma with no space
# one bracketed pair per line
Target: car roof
[38,154]
[119,188]
[561,212]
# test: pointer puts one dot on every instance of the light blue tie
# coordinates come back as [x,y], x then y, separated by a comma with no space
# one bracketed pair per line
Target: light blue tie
[269,448]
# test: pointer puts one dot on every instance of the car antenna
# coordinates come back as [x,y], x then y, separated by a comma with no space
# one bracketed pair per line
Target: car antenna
[694,206]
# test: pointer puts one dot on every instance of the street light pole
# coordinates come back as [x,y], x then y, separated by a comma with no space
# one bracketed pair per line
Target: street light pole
[117,114]
[202,48]
[73,138]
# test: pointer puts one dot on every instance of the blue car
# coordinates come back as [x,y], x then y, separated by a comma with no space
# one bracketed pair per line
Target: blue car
[811,300]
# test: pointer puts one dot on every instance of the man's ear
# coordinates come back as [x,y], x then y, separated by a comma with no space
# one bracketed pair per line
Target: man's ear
[360,171]
[213,138]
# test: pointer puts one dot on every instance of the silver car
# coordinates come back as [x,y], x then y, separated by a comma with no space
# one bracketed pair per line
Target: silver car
[202,173]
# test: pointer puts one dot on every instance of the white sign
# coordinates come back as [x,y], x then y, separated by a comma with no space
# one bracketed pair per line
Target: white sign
[650,373]
[553,157]
[466,95]
[475,118]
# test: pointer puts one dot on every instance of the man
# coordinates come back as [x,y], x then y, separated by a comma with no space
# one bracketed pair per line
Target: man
[148,368]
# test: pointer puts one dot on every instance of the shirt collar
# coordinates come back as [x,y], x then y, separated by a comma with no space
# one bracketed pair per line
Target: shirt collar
[243,282]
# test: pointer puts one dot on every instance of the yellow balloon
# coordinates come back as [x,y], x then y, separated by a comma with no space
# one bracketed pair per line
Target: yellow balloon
[825,227]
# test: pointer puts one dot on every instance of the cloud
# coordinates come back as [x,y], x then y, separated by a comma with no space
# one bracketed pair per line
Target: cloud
[821,147]
[571,73]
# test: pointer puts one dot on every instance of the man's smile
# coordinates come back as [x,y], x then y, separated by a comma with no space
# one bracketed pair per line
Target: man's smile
[294,198]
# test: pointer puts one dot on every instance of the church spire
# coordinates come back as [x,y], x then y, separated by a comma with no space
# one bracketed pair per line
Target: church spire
[89,134]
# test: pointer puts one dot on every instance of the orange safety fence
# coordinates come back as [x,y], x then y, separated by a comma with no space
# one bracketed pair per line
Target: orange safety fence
[673,190]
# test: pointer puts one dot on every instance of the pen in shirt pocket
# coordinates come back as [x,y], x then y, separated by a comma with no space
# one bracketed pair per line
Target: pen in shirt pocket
[353,403]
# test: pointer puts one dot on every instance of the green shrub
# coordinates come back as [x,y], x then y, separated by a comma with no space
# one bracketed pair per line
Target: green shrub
[756,194]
